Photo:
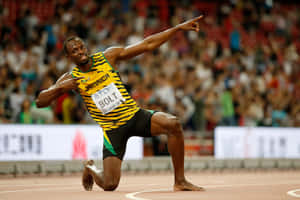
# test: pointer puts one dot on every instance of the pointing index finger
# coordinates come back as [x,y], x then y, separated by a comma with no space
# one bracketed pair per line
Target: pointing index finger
[198,18]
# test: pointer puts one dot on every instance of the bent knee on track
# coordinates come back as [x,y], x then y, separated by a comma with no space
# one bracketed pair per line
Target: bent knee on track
[110,186]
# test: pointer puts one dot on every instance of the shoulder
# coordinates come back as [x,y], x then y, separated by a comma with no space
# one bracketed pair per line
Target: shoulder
[113,53]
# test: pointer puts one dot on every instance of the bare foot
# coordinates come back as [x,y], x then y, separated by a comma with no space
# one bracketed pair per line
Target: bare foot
[87,178]
[186,186]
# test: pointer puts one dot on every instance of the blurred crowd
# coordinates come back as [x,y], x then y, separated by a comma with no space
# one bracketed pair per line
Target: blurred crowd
[241,69]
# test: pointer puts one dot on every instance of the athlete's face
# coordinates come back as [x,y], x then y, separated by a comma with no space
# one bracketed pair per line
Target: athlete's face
[77,51]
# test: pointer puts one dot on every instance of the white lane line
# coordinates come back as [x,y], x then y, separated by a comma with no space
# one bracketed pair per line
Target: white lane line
[293,193]
[251,184]
[132,195]
[58,188]
[52,184]
[38,189]
[37,184]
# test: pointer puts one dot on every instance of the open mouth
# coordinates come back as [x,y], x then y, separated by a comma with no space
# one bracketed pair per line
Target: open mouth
[84,60]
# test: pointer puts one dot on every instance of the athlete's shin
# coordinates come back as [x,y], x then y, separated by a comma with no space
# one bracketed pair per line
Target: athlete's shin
[176,149]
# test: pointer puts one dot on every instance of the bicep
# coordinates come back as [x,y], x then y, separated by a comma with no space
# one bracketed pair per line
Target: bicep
[123,53]
[60,79]
[63,77]
[134,50]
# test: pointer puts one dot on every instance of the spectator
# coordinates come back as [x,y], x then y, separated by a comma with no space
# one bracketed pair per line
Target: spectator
[228,109]
[25,116]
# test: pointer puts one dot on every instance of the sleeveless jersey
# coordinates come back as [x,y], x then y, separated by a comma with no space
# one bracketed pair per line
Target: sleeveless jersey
[104,94]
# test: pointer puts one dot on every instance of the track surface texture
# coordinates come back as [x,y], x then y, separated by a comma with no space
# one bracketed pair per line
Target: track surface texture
[230,185]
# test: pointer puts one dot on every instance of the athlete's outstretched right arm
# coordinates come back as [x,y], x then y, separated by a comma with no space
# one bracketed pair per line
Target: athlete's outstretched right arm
[65,83]
[151,42]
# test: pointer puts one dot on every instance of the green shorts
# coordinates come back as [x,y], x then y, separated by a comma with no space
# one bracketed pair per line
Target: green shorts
[138,125]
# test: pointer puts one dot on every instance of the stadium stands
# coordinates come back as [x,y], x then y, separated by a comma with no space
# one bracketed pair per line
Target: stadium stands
[242,69]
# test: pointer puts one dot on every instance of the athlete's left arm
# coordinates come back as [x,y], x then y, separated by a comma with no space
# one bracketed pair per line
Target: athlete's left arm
[150,43]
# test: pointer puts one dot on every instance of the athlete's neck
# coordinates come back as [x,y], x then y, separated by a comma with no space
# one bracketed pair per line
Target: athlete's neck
[86,66]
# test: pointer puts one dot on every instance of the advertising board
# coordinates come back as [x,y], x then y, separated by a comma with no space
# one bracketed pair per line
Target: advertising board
[58,142]
[257,142]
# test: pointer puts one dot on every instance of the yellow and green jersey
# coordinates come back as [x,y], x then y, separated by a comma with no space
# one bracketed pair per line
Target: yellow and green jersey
[104,94]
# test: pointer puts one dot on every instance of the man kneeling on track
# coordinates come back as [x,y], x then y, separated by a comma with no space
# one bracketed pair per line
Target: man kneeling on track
[110,105]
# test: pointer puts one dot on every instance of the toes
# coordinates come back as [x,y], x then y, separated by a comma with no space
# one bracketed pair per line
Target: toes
[200,189]
[89,162]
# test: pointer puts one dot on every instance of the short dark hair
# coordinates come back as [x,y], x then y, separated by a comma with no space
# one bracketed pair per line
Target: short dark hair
[71,38]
